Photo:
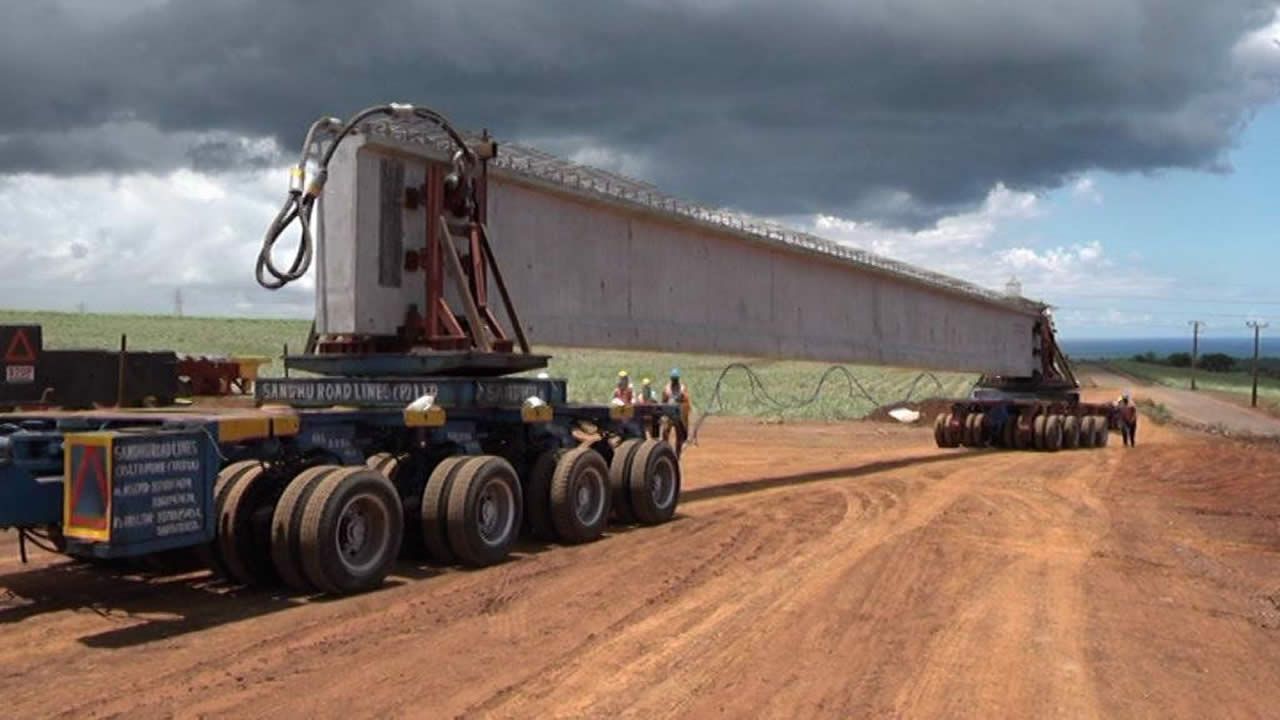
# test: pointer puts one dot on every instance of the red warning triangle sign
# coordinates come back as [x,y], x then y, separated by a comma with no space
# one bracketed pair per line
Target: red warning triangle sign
[20,351]
[89,499]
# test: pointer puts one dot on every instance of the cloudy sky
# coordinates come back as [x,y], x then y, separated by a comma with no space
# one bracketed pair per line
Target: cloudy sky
[1118,156]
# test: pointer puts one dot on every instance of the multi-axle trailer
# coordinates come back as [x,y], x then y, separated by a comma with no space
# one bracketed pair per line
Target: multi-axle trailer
[326,498]
[1023,425]
[1041,412]
[413,432]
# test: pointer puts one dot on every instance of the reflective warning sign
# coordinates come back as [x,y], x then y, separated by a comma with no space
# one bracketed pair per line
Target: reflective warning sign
[20,350]
[87,503]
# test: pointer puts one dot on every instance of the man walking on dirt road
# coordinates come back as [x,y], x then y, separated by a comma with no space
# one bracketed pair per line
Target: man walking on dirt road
[1128,421]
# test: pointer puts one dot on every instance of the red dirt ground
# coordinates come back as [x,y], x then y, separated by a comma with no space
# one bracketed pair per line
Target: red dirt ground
[841,570]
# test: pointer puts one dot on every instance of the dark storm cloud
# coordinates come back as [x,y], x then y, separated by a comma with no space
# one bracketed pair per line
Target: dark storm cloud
[900,111]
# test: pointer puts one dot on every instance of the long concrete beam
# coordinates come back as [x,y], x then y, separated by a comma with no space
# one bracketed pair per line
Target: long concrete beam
[590,270]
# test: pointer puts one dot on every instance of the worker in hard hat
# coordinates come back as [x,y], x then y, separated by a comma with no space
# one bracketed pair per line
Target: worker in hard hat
[648,395]
[677,392]
[622,392]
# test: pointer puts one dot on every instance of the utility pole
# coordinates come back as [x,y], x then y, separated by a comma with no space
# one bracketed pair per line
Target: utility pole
[1195,349]
[1257,331]
[177,302]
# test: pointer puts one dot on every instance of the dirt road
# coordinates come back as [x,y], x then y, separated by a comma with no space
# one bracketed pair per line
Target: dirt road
[1194,408]
[847,570]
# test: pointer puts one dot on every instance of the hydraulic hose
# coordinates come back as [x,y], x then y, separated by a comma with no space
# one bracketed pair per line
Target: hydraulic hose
[301,200]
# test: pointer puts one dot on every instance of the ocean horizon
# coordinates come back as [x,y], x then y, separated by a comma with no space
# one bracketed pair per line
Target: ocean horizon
[1100,348]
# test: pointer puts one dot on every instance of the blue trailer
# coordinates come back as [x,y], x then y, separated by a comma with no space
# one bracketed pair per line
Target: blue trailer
[323,484]
[412,433]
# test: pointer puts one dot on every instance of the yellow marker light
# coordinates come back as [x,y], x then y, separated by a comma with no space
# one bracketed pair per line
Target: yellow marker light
[535,410]
[424,412]
[619,410]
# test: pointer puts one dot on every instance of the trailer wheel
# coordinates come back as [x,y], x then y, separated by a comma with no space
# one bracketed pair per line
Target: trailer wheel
[1037,432]
[955,430]
[1071,432]
[210,553]
[1088,433]
[939,432]
[949,431]
[286,526]
[351,529]
[1053,433]
[1023,436]
[1009,436]
[435,501]
[655,482]
[537,496]
[484,511]
[393,468]
[620,478]
[244,528]
[580,495]
[376,460]
[1104,432]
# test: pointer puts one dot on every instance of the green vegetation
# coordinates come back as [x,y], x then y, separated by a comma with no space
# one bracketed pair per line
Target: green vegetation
[193,336]
[1158,413]
[1238,382]
[591,373]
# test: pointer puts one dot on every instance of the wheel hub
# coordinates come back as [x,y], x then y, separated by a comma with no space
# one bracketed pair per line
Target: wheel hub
[662,484]
[588,497]
[355,531]
[495,513]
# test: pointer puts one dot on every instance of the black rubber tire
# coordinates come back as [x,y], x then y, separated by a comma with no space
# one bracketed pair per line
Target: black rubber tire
[1022,438]
[1038,432]
[537,496]
[576,467]
[390,465]
[244,546]
[651,458]
[1088,432]
[1104,432]
[435,499]
[286,526]
[1008,437]
[323,560]
[939,432]
[620,479]
[376,460]
[210,553]
[1053,433]
[1071,432]
[477,479]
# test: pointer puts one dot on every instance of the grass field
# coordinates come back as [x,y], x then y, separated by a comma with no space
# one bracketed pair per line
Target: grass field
[1235,383]
[591,373]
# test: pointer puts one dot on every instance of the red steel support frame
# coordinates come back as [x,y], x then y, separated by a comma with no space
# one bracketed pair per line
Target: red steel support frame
[436,326]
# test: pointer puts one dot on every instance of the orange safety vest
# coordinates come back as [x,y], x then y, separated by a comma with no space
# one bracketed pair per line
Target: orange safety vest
[623,394]
[680,396]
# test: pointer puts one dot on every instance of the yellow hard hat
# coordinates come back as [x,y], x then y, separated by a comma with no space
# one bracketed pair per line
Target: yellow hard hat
[644,381]
[622,373]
